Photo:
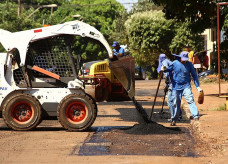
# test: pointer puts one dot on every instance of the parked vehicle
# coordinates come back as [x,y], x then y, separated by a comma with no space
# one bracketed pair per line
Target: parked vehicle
[205,74]
[140,73]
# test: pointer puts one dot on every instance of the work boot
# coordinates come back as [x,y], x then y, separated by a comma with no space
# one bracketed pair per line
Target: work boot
[196,119]
[173,123]
[191,117]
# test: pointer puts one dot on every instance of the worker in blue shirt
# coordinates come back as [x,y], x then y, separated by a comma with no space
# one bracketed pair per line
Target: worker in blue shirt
[163,61]
[182,86]
[118,51]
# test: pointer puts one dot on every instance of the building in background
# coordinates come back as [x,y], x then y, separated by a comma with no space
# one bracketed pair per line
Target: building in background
[209,43]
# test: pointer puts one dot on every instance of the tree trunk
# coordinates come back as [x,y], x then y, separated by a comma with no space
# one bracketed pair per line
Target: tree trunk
[19,8]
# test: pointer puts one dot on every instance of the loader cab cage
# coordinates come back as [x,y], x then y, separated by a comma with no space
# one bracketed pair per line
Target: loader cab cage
[53,55]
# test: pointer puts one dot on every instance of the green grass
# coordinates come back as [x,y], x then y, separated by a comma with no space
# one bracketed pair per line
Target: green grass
[220,108]
[212,80]
[208,80]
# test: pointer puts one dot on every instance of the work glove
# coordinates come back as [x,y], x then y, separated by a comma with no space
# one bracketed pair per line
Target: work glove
[163,68]
[199,89]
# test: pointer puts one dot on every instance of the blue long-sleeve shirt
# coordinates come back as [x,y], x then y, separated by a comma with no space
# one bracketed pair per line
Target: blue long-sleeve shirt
[181,75]
[120,50]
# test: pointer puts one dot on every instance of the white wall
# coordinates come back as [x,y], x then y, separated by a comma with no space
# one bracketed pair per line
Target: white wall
[209,41]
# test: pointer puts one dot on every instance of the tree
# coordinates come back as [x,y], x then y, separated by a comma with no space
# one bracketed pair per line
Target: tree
[98,13]
[224,18]
[41,2]
[10,20]
[184,35]
[149,35]
[202,14]
[144,5]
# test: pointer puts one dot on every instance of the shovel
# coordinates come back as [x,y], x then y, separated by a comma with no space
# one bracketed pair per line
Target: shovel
[161,73]
[161,112]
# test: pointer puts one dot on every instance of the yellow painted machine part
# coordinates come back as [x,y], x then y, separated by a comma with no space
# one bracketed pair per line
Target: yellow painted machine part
[103,68]
[226,100]
[121,71]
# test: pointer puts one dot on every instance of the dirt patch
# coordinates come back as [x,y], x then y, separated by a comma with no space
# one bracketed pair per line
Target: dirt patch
[151,128]
[153,139]
[206,144]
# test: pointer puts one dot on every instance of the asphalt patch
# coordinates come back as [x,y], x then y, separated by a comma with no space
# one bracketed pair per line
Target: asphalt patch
[141,139]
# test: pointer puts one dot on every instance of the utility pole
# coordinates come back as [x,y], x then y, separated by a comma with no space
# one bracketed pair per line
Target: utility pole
[19,8]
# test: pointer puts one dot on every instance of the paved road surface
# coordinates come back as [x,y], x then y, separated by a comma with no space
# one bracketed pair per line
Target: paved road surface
[50,143]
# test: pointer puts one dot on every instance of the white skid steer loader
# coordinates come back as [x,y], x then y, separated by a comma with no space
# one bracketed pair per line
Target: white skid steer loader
[39,77]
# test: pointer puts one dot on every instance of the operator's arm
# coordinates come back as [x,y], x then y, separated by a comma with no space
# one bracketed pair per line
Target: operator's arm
[121,52]
[169,68]
[166,64]
[194,75]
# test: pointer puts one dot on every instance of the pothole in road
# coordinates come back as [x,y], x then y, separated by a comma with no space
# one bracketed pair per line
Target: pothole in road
[141,139]
[96,143]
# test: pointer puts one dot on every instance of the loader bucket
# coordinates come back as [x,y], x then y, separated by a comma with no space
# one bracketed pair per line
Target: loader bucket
[124,70]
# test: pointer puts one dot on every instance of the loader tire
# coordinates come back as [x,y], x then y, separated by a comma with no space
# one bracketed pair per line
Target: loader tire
[77,112]
[22,112]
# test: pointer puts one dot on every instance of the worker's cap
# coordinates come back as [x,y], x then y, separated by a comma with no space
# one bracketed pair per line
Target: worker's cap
[115,43]
[161,58]
[184,56]
[161,55]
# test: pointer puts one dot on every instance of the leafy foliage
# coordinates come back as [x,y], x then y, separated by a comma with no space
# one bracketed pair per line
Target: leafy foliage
[184,35]
[39,2]
[200,13]
[145,5]
[98,13]
[149,35]
[223,57]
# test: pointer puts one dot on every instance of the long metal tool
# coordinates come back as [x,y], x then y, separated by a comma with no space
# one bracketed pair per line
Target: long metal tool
[163,103]
[161,73]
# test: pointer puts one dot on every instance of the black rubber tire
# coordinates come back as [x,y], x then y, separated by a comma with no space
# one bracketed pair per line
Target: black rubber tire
[94,101]
[9,107]
[86,122]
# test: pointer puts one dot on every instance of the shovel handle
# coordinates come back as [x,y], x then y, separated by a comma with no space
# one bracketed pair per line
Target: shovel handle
[163,103]
[160,74]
